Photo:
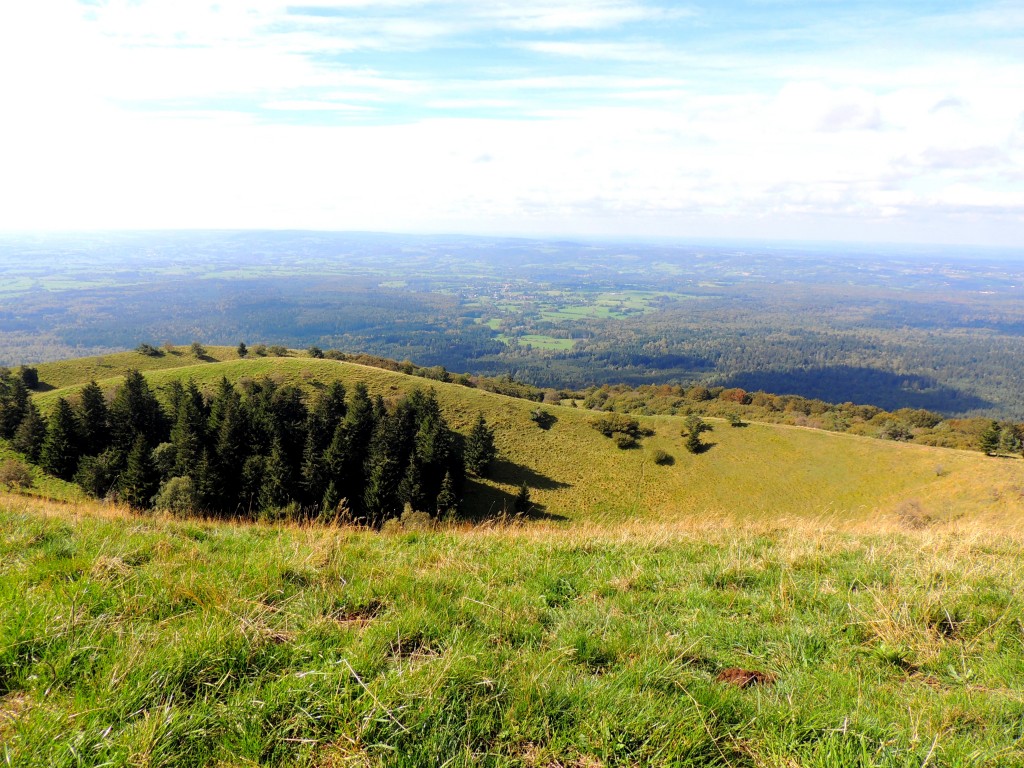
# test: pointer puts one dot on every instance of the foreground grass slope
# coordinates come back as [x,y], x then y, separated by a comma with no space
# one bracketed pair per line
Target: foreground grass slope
[129,640]
[574,472]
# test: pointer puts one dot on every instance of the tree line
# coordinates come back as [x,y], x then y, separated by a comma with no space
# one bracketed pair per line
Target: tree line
[258,450]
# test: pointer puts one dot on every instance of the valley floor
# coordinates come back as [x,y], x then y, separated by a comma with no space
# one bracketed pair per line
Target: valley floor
[140,640]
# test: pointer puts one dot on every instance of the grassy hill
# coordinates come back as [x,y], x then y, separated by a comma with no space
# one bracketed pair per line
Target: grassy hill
[573,472]
[128,640]
[790,598]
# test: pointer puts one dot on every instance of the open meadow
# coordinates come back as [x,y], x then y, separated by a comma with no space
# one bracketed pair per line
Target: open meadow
[144,640]
[788,597]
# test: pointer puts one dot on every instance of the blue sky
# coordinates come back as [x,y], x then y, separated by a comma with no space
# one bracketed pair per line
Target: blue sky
[762,119]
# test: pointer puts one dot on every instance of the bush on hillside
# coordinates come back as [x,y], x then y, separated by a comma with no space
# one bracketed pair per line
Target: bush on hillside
[15,474]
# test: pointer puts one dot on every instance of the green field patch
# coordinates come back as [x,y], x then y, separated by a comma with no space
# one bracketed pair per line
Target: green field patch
[538,341]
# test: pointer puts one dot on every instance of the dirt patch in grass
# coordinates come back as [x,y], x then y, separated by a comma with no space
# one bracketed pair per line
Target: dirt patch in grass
[360,614]
[745,678]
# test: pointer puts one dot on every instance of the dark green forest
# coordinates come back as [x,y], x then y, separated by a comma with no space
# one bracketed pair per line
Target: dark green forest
[935,329]
[258,450]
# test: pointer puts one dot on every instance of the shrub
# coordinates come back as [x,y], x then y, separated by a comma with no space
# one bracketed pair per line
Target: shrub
[15,474]
[613,423]
[29,376]
[542,418]
[662,458]
[177,496]
[694,425]
[625,441]
[149,350]
[198,350]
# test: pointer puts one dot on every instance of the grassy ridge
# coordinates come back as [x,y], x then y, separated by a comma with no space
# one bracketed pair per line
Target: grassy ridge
[65,373]
[760,471]
[146,641]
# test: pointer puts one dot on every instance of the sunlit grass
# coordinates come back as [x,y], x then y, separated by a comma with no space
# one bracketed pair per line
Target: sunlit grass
[757,472]
[131,640]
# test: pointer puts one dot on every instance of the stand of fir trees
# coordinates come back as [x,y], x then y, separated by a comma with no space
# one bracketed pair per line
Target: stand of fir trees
[255,451]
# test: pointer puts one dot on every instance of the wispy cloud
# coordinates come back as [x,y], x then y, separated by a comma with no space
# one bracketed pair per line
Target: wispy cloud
[779,117]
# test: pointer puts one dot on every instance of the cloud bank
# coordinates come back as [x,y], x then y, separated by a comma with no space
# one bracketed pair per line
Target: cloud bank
[616,117]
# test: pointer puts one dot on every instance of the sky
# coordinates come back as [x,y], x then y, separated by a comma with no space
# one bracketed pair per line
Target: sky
[847,120]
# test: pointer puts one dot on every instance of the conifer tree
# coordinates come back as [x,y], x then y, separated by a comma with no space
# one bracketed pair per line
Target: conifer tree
[59,452]
[31,434]
[480,450]
[14,400]
[330,501]
[138,483]
[447,500]
[93,420]
[693,442]
[522,500]
[380,499]
[989,440]
[135,411]
[275,491]
[241,349]
[188,434]
[410,489]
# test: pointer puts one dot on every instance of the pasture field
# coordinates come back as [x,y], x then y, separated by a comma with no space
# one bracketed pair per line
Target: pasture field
[788,598]
[575,474]
[150,641]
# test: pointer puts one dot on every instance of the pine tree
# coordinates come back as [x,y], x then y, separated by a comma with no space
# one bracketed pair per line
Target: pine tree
[380,499]
[522,500]
[59,452]
[324,419]
[480,450]
[242,350]
[447,500]
[693,442]
[188,434]
[410,490]
[275,491]
[989,440]
[93,420]
[31,434]
[331,500]
[14,400]
[138,483]
[134,412]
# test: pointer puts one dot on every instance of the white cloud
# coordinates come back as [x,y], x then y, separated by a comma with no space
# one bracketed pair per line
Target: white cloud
[158,114]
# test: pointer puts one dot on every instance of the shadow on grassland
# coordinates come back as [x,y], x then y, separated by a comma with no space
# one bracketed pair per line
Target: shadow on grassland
[483,502]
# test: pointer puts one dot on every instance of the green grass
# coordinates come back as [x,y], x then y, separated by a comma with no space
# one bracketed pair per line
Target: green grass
[877,583]
[145,641]
[758,472]
[539,341]
[65,373]
[43,485]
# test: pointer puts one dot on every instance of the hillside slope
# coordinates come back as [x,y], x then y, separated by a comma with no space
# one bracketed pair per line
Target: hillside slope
[573,472]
